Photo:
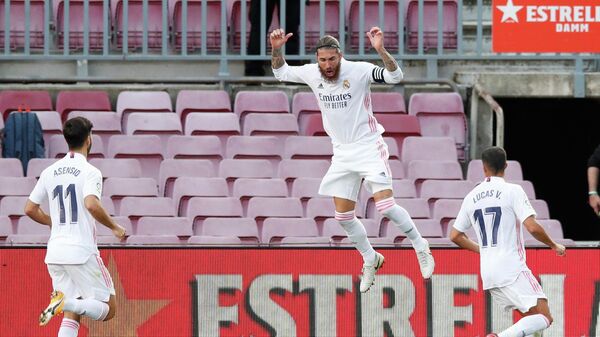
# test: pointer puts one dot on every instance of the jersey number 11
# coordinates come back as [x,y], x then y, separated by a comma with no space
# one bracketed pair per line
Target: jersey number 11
[69,192]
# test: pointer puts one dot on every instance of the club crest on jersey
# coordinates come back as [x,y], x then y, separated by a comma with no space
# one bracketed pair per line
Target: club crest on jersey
[346,84]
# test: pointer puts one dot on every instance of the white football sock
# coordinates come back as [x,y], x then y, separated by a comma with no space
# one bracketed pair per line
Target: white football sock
[92,308]
[526,326]
[400,217]
[357,234]
[68,328]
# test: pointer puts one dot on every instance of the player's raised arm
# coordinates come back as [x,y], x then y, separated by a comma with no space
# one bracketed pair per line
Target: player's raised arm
[278,39]
[392,72]
[538,232]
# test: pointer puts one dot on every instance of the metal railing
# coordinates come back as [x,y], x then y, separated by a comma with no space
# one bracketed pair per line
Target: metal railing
[60,37]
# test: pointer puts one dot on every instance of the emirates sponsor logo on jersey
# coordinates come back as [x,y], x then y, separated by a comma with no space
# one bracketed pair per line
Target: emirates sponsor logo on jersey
[539,26]
[335,101]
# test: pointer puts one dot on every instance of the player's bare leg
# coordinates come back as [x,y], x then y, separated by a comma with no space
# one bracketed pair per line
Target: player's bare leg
[386,205]
[538,318]
[344,214]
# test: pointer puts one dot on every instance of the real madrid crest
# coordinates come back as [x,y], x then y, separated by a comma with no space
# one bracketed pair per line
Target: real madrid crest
[346,84]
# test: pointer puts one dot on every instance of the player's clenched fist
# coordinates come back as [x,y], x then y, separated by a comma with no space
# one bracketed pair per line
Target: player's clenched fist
[279,38]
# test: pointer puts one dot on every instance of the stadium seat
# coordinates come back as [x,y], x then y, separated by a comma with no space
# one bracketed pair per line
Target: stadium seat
[541,208]
[221,124]
[195,147]
[210,240]
[149,225]
[58,148]
[142,101]
[189,101]
[50,123]
[118,168]
[260,102]
[392,147]
[26,225]
[200,208]
[145,148]
[255,147]
[313,23]
[388,103]
[261,207]
[399,126]
[245,168]
[552,227]
[391,12]
[194,24]
[6,227]
[513,171]
[527,187]
[306,188]
[17,24]
[280,125]
[13,206]
[441,114]
[123,221]
[430,24]
[108,205]
[308,168]
[432,190]
[14,100]
[11,167]
[164,125]
[243,228]
[185,188]
[275,229]
[304,147]
[76,25]
[423,169]
[428,148]
[446,209]
[304,104]
[18,239]
[154,240]
[397,169]
[135,23]
[171,169]
[312,126]
[106,123]
[136,207]
[15,186]
[84,100]
[320,209]
[245,188]
[37,165]
[118,188]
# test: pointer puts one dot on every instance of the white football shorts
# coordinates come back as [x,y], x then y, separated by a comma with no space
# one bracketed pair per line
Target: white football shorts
[522,294]
[88,280]
[351,163]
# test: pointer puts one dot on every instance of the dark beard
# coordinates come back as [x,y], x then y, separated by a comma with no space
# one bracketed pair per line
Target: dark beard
[335,77]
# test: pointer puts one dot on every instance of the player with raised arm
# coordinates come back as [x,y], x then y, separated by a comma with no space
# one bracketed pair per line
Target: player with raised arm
[82,285]
[343,92]
[498,211]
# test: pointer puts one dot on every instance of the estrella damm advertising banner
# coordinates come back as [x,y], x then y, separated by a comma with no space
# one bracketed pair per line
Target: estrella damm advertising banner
[299,292]
[541,26]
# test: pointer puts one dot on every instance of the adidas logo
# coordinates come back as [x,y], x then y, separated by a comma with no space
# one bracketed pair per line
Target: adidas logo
[320,86]
[382,174]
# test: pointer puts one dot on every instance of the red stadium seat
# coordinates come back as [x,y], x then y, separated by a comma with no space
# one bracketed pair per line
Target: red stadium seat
[17,24]
[306,188]
[304,147]
[313,24]
[260,102]
[195,147]
[255,147]
[136,207]
[171,169]
[307,168]
[388,102]
[430,24]
[281,125]
[84,100]
[399,126]
[222,125]
[371,19]
[200,208]
[26,225]
[13,100]
[135,23]
[189,101]
[194,24]
[76,25]
[142,101]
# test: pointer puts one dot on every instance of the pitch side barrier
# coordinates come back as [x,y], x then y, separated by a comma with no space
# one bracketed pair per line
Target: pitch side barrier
[300,292]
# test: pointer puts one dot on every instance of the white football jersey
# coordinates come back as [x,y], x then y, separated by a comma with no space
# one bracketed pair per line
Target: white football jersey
[346,104]
[66,183]
[496,209]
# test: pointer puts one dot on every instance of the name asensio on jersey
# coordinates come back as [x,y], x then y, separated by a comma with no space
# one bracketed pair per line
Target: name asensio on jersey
[67,170]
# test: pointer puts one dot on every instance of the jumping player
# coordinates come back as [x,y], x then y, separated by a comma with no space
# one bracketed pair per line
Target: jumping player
[342,89]
[498,210]
[82,285]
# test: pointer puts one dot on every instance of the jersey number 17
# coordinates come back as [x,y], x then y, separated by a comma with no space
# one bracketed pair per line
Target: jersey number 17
[496,213]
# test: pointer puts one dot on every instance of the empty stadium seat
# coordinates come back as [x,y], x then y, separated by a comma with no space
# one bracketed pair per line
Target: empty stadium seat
[11,167]
[527,187]
[135,23]
[118,168]
[76,25]
[422,169]
[13,206]
[261,207]
[275,229]
[304,147]
[37,165]
[145,148]
[154,240]
[397,169]
[6,227]
[117,188]
[399,126]
[58,148]
[84,100]
[50,123]
[222,125]
[445,189]
[136,207]
[106,123]
[245,168]
[189,101]
[260,102]
[171,169]
[200,208]
[430,24]
[391,11]
[25,100]
[541,208]
[26,225]
[164,125]
[17,24]
[281,125]
[552,227]
[142,101]
[18,239]
[123,221]
[313,126]
[306,188]
[185,188]
[194,24]
[255,147]
[446,209]
[149,225]
[244,188]
[305,105]
[441,115]
[108,205]
[428,148]
[243,228]
[320,209]
[307,168]
[15,186]
[513,171]
[392,147]
[388,102]
[210,240]
[313,24]
[195,147]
